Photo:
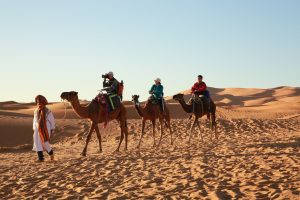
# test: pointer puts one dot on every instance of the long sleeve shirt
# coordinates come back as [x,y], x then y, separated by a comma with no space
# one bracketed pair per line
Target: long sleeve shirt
[112,86]
[157,91]
[199,88]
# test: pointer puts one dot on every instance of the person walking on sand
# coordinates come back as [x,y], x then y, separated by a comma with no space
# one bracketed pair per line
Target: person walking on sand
[43,127]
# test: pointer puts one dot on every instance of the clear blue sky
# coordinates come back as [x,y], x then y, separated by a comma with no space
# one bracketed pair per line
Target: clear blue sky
[47,47]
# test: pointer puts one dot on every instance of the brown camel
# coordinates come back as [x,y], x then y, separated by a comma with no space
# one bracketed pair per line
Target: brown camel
[152,112]
[198,111]
[96,114]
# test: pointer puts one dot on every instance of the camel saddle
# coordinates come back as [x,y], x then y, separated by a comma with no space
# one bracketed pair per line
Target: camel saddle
[199,99]
[109,101]
[153,100]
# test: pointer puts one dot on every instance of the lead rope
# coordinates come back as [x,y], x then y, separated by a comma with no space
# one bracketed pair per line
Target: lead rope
[66,106]
[202,111]
[193,100]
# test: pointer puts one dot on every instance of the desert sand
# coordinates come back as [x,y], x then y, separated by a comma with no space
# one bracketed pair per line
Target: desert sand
[257,154]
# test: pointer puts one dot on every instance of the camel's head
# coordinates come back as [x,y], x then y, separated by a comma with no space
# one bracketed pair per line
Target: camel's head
[178,97]
[69,96]
[135,99]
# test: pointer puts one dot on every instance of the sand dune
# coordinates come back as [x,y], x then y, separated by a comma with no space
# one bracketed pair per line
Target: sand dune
[255,157]
[281,99]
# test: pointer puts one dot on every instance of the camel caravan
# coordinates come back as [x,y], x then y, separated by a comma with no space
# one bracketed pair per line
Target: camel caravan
[107,106]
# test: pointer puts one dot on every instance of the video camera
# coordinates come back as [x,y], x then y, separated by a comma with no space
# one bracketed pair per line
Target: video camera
[104,75]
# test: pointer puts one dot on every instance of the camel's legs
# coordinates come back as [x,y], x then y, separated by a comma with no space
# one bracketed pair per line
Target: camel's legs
[171,133]
[153,132]
[126,134]
[122,136]
[214,124]
[124,131]
[168,124]
[99,137]
[199,127]
[213,121]
[161,130]
[192,127]
[142,134]
[88,138]
[187,126]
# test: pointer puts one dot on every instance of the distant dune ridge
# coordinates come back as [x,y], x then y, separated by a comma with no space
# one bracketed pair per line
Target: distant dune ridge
[255,157]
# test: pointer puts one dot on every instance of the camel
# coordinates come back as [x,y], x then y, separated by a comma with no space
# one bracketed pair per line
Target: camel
[198,111]
[152,112]
[96,115]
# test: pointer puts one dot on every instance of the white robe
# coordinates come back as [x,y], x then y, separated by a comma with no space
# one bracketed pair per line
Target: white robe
[37,142]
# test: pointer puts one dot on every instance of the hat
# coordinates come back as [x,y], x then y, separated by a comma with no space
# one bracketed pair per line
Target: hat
[110,73]
[157,80]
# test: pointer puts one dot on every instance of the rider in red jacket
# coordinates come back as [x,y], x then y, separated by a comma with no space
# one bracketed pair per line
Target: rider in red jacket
[200,88]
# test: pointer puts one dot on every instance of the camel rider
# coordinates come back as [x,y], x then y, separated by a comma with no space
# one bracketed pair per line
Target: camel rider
[111,86]
[200,88]
[157,92]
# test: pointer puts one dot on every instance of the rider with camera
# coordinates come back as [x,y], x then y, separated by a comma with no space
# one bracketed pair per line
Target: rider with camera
[113,88]
[110,84]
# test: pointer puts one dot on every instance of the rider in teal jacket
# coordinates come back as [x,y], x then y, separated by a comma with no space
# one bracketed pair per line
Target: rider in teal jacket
[157,89]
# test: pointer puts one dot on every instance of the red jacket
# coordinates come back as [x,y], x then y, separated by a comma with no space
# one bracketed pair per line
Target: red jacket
[199,87]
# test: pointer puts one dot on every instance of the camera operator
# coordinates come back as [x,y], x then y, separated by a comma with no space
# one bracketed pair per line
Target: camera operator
[110,84]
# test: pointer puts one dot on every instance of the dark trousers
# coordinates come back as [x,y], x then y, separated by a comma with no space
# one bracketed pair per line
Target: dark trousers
[162,104]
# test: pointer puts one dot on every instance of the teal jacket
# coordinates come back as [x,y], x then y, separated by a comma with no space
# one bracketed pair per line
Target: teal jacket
[157,91]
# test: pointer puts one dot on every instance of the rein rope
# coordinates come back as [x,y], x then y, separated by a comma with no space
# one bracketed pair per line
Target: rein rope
[66,107]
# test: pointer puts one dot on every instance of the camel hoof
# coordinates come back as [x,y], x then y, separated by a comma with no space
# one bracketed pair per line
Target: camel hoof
[83,154]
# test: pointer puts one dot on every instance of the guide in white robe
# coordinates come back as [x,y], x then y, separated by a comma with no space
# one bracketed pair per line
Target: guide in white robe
[38,145]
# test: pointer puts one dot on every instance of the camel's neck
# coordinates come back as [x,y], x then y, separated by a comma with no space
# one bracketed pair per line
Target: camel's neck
[141,111]
[82,112]
[187,108]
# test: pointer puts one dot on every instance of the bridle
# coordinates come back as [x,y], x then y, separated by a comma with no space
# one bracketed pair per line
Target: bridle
[66,103]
